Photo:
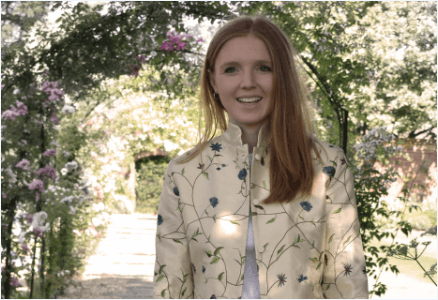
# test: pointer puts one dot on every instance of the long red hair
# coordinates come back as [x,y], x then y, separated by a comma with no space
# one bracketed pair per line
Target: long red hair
[292,138]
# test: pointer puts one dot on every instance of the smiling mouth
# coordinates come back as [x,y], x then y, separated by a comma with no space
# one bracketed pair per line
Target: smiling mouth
[250,100]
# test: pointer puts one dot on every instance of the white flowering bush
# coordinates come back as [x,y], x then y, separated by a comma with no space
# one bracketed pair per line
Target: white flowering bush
[44,195]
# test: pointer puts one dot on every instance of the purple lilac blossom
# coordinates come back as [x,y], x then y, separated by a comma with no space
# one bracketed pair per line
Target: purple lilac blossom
[23,164]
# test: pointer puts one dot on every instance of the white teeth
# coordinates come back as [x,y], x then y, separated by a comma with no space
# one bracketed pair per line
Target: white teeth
[249,100]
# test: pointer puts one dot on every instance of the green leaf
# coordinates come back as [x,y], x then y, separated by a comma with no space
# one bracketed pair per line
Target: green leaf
[160,278]
[214,260]
[271,220]
[161,269]
[163,292]
[183,292]
[259,207]
[205,174]
[208,253]
[337,211]
[217,250]
[331,238]
[348,239]
[234,222]
[319,265]
[314,259]
[241,277]
[182,171]
[327,287]
[211,159]
[296,240]
[281,249]
[264,184]
[177,241]
[220,276]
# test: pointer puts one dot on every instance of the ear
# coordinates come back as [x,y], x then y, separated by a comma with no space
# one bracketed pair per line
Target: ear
[211,78]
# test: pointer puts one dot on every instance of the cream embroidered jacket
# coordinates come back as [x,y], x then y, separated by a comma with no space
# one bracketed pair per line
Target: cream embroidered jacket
[308,248]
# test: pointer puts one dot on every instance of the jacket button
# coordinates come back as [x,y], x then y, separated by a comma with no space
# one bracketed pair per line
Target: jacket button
[257,156]
[256,201]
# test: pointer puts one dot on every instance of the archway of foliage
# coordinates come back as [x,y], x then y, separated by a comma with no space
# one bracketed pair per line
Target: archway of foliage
[136,123]
[92,46]
[46,208]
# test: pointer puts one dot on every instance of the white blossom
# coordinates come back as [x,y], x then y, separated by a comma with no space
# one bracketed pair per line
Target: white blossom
[68,199]
[72,210]
[12,176]
[71,165]
[64,171]
[68,109]
[39,221]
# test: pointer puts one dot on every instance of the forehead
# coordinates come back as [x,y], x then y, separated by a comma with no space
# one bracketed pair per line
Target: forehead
[246,49]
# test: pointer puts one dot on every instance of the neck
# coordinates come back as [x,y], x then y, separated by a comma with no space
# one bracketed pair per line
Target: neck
[250,135]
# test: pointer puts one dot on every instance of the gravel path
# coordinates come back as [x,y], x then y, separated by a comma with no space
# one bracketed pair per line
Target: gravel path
[123,265]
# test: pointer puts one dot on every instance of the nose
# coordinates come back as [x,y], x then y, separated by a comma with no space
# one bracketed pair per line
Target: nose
[248,80]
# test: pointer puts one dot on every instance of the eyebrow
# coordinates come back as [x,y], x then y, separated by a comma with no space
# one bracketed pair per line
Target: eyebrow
[237,63]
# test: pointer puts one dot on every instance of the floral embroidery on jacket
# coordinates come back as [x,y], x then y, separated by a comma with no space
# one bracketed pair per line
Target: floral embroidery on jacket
[203,220]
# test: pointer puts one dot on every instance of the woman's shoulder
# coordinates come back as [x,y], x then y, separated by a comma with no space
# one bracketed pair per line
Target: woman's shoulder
[328,152]
[184,159]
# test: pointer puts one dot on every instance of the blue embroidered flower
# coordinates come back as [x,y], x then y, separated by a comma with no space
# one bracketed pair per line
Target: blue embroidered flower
[343,161]
[203,269]
[330,171]
[302,278]
[216,147]
[306,205]
[214,201]
[281,279]
[242,174]
[159,220]
[213,297]
[223,165]
[218,169]
[348,269]
[175,191]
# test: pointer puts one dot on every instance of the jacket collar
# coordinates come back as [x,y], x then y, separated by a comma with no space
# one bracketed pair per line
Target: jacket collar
[233,135]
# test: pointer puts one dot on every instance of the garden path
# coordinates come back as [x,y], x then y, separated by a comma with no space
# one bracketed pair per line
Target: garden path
[122,267]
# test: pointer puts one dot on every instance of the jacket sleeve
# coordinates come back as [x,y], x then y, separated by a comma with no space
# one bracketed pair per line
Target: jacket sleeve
[344,274]
[172,276]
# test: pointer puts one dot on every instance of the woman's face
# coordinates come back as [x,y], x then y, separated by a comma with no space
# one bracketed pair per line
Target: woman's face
[243,78]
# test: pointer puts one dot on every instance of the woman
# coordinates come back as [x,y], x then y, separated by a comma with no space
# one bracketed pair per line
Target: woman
[264,210]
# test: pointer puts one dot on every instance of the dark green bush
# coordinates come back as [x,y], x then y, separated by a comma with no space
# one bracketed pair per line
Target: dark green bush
[150,171]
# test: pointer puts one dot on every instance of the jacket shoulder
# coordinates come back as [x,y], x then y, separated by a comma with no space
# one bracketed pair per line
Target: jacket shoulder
[197,156]
[327,151]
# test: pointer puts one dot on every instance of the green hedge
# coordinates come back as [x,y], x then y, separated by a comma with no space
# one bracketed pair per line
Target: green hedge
[150,171]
